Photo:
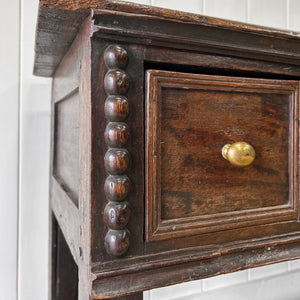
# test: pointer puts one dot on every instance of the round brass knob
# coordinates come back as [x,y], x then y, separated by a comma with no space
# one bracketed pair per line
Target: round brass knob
[239,154]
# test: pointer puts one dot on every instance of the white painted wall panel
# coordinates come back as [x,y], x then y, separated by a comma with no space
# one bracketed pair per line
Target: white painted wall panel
[227,9]
[271,13]
[147,2]
[220,281]
[294,15]
[34,170]
[193,6]
[294,265]
[182,290]
[9,90]
[283,287]
[268,271]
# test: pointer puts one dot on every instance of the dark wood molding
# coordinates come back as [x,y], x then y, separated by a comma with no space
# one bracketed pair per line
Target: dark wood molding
[178,34]
[117,158]
[64,269]
[56,30]
[134,296]
[185,224]
[59,22]
[158,12]
[175,273]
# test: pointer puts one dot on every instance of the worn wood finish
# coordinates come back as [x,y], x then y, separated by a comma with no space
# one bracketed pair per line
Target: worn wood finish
[176,273]
[203,63]
[242,39]
[180,35]
[135,296]
[64,268]
[117,173]
[57,30]
[189,119]
[66,167]
[67,214]
[68,83]
[160,13]
[116,108]
[212,82]
[84,62]
[117,158]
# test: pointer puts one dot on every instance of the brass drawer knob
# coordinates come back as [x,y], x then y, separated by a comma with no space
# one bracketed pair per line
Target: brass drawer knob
[239,154]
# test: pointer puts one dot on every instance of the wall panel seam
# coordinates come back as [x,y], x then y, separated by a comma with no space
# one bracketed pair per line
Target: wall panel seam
[287,14]
[248,11]
[18,296]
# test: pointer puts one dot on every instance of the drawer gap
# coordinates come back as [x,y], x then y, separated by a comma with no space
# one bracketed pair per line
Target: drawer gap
[215,71]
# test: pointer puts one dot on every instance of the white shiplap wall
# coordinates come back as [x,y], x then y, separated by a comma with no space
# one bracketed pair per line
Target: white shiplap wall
[9,132]
[34,145]
[24,129]
[24,157]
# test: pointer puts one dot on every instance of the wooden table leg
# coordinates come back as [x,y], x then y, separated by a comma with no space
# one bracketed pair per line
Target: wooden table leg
[65,272]
[64,269]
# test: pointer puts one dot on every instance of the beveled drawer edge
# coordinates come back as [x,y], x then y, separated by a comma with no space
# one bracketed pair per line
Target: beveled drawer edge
[158,229]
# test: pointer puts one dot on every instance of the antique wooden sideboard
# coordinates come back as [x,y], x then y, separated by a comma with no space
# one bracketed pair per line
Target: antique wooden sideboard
[175,146]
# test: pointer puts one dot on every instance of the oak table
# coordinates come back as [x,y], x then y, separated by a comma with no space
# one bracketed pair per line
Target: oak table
[175,146]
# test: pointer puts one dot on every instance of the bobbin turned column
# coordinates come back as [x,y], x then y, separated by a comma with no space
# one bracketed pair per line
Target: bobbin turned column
[118,163]
[117,158]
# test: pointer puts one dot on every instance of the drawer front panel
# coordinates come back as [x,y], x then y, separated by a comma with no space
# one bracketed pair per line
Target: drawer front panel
[190,187]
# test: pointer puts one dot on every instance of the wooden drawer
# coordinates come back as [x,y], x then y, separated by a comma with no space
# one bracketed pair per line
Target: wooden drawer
[190,188]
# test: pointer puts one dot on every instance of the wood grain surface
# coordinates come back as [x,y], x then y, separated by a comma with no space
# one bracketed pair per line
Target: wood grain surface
[64,269]
[72,121]
[66,160]
[132,115]
[59,22]
[190,118]
[158,12]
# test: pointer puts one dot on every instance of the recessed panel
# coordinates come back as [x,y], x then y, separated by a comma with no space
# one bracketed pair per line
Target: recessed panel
[190,186]
[66,145]
[195,125]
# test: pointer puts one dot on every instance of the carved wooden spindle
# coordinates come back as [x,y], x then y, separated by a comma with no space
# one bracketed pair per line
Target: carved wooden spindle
[116,57]
[117,187]
[116,161]
[117,214]
[116,134]
[117,242]
[117,158]
[116,82]
[116,108]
